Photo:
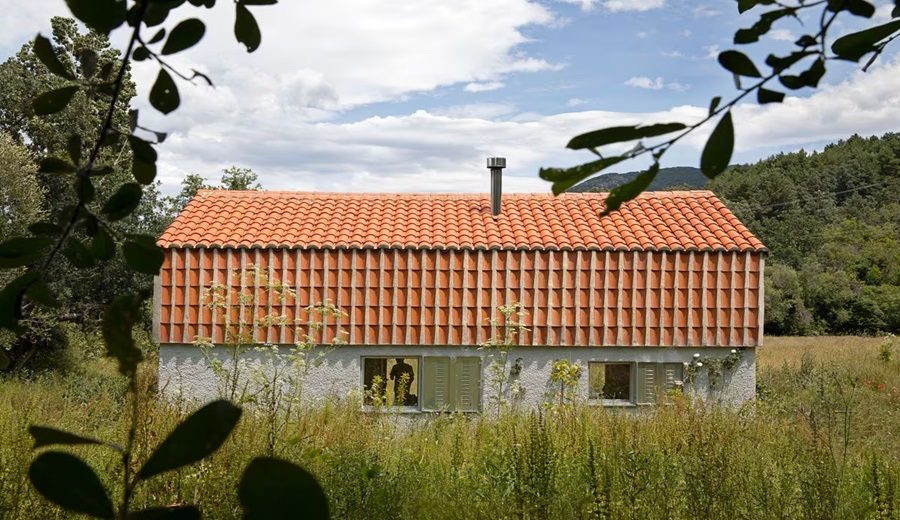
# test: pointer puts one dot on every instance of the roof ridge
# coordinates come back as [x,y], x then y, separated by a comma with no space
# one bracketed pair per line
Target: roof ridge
[354,194]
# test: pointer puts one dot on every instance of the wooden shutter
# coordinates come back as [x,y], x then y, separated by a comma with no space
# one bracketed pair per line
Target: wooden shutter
[436,383]
[647,386]
[467,376]
[669,373]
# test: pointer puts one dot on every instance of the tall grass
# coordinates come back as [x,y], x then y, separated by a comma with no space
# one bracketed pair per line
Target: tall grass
[820,444]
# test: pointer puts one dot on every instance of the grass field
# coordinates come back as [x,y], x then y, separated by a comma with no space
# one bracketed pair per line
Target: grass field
[822,442]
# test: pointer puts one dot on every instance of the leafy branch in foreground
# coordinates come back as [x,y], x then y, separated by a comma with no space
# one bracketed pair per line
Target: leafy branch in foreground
[810,54]
[86,235]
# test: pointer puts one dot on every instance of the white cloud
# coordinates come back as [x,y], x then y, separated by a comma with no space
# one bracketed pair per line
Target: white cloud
[643,34]
[703,11]
[784,35]
[443,149]
[686,33]
[586,5]
[672,54]
[655,84]
[711,52]
[632,5]
[475,111]
[576,102]
[361,51]
[485,86]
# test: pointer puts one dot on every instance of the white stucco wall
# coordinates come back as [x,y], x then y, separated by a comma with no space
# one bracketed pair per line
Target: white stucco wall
[185,373]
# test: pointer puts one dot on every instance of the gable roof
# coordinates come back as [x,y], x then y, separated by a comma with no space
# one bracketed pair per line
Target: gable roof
[667,221]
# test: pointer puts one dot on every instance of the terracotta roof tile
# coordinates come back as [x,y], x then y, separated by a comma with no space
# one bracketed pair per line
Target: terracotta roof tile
[686,220]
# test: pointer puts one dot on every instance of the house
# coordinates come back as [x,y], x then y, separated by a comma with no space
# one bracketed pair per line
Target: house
[647,299]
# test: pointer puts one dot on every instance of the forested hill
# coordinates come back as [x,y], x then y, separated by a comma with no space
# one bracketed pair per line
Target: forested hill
[681,177]
[832,223]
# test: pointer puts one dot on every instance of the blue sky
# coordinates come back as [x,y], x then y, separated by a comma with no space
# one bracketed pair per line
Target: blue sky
[362,95]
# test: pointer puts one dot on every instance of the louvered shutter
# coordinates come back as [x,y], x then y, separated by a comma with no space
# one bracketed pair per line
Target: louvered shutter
[647,386]
[467,376]
[436,383]
[669,374]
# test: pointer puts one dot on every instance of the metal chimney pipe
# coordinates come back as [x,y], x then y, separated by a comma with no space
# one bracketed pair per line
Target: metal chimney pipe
[496,165]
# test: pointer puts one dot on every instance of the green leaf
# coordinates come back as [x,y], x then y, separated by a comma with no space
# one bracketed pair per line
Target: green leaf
[764,96]
[21,251]
[143,166]
[11,301]
[55,165]
[103,245]
[246,30]
[738,63]
[806,40]
[45,228]
[89,60]
[816,71]
[5,362]
[273,488]
[84,188]
[746,5]
[856,7]
[140,53]
[167,513]
[160,34]
[565,178]
[164,94]
[78,254]
[100,15]
[854,46]
[40,293]
[48,436]
[43,49]
[123,202]
[791,82]
[184,36]
[714,104]
[142,254]
[70,483]
[118,321]
[719,147]
[196,438]
[53,101]
[630,190]
[73,146]
[618,134]
[779,64]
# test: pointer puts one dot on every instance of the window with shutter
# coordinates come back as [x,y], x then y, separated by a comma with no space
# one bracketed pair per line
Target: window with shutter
[648,383]
[656,380]
[468,384]
[436,384]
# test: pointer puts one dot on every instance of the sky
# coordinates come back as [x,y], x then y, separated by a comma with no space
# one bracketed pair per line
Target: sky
[413,95]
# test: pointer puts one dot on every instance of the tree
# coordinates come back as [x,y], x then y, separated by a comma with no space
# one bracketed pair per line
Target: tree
[87,234]
[233,178]
[21,196]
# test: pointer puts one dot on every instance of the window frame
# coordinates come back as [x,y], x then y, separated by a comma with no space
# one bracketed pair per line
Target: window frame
[392,408]
[420,384]
[634,399]
[632,385]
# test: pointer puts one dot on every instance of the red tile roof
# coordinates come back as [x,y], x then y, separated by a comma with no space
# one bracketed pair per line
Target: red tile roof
[686,221]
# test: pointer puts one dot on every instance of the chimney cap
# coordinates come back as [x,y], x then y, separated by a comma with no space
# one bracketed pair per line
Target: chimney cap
[496,162]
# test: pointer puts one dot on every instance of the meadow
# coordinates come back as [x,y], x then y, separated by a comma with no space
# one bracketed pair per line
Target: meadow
[821,442]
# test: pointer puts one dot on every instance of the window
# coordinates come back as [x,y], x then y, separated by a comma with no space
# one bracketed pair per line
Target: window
[452,384]
[610,381]
[633,383]
[443,383]
[391,381]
